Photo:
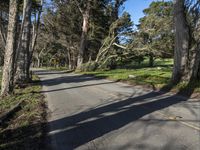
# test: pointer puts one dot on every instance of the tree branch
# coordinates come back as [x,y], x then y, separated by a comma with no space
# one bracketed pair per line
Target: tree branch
[120,46]
[79,7]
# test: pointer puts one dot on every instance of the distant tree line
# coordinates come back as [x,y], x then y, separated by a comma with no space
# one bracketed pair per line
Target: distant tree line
[99,34]
[89,35]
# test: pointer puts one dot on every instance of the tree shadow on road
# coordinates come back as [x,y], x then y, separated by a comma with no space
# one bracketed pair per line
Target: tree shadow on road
[69,79]
[87,126]
[84,127]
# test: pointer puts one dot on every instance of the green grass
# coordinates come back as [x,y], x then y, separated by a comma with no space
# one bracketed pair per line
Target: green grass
[24,129]
[158,62]
[157,77]
[150,77]
[145,76]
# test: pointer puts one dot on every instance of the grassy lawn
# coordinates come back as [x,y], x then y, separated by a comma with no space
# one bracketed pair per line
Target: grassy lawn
[145,76]
[24,129]
[156,77]
[158,62]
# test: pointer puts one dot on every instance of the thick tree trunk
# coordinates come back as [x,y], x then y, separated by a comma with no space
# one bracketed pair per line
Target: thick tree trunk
[83,38]
[182,38]
[35,25]
[8,69]
[24,56]
[86,16]
[151,60]
[194,70]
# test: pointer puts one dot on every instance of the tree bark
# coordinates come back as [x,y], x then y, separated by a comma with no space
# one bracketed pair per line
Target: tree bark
[151,60]
[8,69]
[36,25]
[85,28]
[24,55]
[182,42]
[194,70]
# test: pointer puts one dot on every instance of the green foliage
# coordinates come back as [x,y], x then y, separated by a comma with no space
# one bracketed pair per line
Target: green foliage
[155,31]
[63,26]
[111,51]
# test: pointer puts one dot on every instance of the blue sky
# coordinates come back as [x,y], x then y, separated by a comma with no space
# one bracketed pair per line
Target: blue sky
[136,7]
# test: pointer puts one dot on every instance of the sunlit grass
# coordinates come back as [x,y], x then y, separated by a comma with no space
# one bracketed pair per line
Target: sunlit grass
[157,76]
[151,76]
[158,62]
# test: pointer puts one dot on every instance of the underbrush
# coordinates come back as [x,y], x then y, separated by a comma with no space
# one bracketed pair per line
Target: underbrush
[24,129]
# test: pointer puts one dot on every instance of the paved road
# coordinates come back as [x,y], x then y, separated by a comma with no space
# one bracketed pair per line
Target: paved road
[95,114]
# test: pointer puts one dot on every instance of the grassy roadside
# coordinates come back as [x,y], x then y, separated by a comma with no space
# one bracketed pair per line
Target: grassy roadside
[24,130]
[145,76]
[155,77]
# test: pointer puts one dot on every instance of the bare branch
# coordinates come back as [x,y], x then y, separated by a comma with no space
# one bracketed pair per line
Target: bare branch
[120,46]
[79,7]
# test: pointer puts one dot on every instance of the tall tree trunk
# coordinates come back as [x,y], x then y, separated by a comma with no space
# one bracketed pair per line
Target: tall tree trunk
[8,69]
[182,38]
[151,60]
[194,70]
[35,25]
[85,27]
[27,40]
[83,38]
[22,68]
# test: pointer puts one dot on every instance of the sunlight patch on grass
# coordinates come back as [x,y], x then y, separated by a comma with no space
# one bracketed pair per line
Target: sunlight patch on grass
[151,76]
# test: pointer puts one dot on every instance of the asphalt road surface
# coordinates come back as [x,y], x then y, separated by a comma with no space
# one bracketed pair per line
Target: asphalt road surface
[87,113]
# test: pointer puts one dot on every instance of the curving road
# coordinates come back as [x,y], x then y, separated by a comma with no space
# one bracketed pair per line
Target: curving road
[96,114]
